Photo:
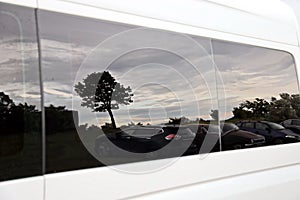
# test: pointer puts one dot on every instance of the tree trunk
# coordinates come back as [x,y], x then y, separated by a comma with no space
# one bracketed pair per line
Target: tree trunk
[113,123]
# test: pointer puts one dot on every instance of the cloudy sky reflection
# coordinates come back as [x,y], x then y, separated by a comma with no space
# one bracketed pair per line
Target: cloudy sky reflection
[171,75]
[18,56]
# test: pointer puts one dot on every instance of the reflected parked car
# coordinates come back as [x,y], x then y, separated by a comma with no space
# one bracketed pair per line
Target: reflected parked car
[232,137]
[145,139]
[273,132]
[182,138]
[292,124]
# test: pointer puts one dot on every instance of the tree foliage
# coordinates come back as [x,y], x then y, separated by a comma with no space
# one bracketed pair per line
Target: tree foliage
[17,118]
[276,110]
[59,119]
[214,115]
[177,121]
[5,105]
[102,93]
[282,109]
[257,109]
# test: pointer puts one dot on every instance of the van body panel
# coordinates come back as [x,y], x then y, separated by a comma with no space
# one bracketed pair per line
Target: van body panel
[266,172]
[27,3]
[256,19]
[240,187]
[27,188]
[116,183]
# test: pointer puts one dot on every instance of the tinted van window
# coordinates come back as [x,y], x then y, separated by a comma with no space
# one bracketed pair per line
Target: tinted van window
[102,78]
[261,126]
[296,122]
[261,85]
[20,105]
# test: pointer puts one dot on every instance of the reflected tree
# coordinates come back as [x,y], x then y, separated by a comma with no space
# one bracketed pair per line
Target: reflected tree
[102,93]
[59,119]
[214,114]
[180,120]
[295,103]
[26,117]
[257,109]
[276,110]
[283,108]
[17,118]
[5,106]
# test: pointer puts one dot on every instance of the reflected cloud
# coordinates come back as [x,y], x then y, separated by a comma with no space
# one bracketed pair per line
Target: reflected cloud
[166,83]
[249,72]
[161,78]
[57,93]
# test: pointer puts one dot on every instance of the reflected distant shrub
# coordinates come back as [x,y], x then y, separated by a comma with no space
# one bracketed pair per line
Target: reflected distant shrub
[59,119]
[276,110]
[283,108]
[18,118]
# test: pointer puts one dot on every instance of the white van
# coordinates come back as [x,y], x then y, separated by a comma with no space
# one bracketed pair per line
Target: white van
[75,75]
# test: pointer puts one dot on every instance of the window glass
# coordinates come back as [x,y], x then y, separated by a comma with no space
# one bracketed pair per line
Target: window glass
[102,79]
[20,108]
[296,122]
[145,132]
[287,122]
[275,126]
[260,85]
[229,127]
[261,126]
[248,125]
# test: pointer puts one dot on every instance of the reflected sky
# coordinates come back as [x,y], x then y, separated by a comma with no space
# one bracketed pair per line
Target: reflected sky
[171,75]
[18,55]
[250,72]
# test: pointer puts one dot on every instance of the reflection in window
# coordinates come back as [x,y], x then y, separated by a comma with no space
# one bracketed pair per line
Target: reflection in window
[261,126]
[116,93]
[20,108]
[131,92]
[261,88]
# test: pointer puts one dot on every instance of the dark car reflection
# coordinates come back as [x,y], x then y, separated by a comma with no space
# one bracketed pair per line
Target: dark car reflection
[232,137]
[148,139]
[182,138]
[292,124]
[273,132]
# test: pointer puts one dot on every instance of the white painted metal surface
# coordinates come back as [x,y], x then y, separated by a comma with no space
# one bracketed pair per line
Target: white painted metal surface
[267,20]
[27,189]
[220,175]
[199,18]
[107,183]
[280,183]
[27,3]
